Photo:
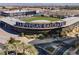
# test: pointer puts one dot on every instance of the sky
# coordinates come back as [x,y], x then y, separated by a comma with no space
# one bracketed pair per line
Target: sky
[38,4]
[51,2]
[39,1]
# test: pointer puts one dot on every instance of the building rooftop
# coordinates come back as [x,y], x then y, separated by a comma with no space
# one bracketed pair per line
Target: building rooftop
[16,11]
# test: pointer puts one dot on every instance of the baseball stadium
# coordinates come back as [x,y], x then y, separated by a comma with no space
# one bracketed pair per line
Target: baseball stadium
[33,23]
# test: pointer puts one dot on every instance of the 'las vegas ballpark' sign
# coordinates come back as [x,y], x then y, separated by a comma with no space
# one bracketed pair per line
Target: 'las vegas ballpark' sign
[33,25]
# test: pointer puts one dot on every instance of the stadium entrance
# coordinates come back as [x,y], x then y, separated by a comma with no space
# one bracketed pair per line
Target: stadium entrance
[55,32]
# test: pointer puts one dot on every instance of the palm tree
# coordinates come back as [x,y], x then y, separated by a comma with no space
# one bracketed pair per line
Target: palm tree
[76,35]
[15,43]
[6,49]
[12,40]
[22,34]
[23,47]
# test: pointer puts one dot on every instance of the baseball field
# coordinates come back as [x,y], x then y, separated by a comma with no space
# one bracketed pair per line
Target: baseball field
[29,19]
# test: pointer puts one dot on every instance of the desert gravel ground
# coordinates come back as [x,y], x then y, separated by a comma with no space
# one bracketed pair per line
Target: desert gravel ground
[4,36]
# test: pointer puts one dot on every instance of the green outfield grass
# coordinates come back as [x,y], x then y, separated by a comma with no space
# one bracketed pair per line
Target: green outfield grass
[40,18]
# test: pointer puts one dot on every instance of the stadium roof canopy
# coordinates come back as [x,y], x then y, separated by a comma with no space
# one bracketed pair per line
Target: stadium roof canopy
[12,21]
[71,20]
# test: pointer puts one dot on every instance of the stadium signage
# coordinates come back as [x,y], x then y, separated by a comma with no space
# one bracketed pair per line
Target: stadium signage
[32,25]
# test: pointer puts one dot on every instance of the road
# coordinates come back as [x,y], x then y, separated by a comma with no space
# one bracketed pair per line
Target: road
[47,40]
[64,46]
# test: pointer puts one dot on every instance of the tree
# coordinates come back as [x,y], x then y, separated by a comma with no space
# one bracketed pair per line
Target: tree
[30,49]
[22,34]
[17,45]
[42,15]
[3,7]
[23,48]
[6,48]
[41,36]
[12,40]
[76,35]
